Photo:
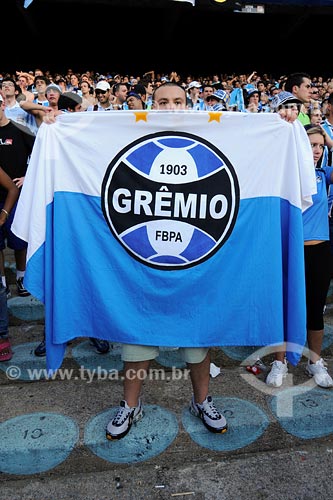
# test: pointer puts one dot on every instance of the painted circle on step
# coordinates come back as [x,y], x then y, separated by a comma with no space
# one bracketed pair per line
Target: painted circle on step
[147,438]
[36,442]
[304,413]
[86,355]
[246,423]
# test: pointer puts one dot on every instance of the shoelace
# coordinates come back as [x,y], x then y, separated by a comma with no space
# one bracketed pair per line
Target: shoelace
[121,415]
[211,410]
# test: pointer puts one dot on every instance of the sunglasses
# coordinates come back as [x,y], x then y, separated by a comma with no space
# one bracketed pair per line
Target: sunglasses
[99,92]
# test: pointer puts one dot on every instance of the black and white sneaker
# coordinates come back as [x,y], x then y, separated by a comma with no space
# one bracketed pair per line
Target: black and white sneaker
[40,350]
[119,426]
[102,346]
[209,414]
[22,292]
[8,292]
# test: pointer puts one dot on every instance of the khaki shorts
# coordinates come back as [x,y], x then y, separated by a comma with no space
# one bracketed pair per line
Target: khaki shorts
[132,352]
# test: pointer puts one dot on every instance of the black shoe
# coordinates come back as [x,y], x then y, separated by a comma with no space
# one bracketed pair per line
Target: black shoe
[102,346]
[22,292]
[40,350]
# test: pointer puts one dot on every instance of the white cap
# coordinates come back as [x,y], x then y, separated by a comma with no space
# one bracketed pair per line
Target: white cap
[103,85]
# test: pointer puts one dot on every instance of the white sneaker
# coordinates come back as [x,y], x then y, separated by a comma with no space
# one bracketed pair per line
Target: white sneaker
[278,372]
[319,373]
[120,425]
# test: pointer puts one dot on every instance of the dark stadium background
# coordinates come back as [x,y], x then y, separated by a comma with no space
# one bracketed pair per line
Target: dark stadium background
[132,37]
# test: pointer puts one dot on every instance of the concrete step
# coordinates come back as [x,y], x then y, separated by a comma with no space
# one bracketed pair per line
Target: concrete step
[279,444]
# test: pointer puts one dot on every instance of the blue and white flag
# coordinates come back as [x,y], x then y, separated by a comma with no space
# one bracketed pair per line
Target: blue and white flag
[168,228]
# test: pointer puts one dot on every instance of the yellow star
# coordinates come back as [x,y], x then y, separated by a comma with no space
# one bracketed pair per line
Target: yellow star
[215,116]
[141,115]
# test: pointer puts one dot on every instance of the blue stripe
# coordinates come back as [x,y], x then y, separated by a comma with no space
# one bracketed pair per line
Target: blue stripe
[251,292]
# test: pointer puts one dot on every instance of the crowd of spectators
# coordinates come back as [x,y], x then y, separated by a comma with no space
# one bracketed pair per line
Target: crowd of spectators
[243,92]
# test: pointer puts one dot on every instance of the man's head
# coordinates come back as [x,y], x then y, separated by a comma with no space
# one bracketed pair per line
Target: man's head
[299,84]
[70,101]
[53,92]
[134,101]
[102,92]
[169,96]
[41,82]
[9,87]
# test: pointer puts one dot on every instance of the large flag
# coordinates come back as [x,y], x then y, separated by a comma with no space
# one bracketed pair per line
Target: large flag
[168,228]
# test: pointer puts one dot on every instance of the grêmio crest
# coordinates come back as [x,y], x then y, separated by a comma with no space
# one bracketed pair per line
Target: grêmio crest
[171,199]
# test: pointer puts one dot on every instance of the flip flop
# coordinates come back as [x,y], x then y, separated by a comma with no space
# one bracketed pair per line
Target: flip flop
[6,352]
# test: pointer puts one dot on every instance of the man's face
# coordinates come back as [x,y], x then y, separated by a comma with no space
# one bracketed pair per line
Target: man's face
[53,96]
[40,85]
[169,97]
[134,102]
[102,96]
[8,88]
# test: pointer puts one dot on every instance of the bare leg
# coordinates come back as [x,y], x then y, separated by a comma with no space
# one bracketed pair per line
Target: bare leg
[135,373]
[199,373]
[315,341]
[281,353]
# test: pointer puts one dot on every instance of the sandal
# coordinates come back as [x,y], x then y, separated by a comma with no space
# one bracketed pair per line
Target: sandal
[102,346]
[6,352]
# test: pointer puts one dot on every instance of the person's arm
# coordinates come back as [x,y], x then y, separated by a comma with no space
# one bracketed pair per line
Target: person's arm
[249,79]
[51,116]
[12,195]
[328,140]
[34,108]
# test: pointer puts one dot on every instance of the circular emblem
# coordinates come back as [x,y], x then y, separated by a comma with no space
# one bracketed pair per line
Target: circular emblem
[171,199]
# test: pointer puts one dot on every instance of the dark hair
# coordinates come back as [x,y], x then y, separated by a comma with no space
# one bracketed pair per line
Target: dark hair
[116,87]
[42,78]
[9,79]
[295,79]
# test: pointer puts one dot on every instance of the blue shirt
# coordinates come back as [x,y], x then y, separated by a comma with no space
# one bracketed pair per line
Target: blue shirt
[315,218]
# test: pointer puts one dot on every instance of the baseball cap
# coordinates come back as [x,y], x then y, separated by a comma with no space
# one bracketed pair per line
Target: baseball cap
[53,86]
[252,91]
[283,98]
[194,84]
[134,94]
[219,94]
[103,85]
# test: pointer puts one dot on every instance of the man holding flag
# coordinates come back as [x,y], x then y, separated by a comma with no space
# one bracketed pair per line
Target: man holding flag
[166,212]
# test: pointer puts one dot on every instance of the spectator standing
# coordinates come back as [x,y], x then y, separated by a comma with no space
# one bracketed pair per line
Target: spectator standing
[13,110]
[299,84]
[23,82]
[317,272]
[41,83]
[11,197]
[103,96]
[169,96]
[193,91]
[16,144]
[135,101]
[207,90]
[120,90]
[53,93]
[217,100]
[252,100]
[88,95]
